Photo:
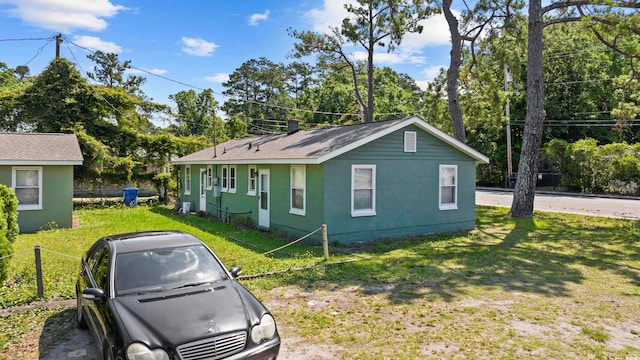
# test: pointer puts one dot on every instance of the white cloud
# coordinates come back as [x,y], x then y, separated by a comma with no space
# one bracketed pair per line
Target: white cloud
[218,78]
[198,47]
[330,15]
[391,58]
[429,73]
[435,32]
[64,15]
[95,43]
[143,71]
[254,19]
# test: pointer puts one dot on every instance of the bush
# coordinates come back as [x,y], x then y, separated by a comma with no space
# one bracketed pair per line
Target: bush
[8,227]
[587,167]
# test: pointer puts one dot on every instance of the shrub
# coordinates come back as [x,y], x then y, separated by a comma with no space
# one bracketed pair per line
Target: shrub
[8,227]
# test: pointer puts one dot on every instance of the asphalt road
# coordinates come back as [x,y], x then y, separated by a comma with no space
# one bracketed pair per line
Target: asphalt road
[606,206]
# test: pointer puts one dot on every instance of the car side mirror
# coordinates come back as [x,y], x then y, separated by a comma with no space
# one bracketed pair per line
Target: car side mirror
[93,294]
[235,271]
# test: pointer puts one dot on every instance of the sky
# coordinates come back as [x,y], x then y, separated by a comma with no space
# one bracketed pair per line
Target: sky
[191,44]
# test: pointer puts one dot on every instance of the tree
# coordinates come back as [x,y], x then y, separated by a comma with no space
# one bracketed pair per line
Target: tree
[196,113]
[110,72]
[372,25]
[60,98]
[564,12]
[257,92]
[486,17]
[22,71]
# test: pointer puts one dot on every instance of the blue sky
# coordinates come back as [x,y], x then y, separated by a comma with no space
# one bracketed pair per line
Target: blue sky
[197,43]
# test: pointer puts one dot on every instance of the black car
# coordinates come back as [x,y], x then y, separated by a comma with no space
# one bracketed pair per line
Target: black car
[165,295]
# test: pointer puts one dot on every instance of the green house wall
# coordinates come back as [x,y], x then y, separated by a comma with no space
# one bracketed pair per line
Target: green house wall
[407,190]
[57,199]
[407,193]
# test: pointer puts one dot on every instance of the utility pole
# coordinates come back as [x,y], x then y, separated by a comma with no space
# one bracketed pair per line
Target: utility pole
[58,42]
[507,78]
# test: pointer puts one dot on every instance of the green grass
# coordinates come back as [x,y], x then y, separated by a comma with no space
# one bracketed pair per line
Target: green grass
[555,286]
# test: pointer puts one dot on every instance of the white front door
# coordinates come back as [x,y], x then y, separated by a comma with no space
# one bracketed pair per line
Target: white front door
[264,200]
[203,190]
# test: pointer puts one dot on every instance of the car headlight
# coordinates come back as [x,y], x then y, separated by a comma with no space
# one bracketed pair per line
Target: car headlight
[138,351]
[265,330]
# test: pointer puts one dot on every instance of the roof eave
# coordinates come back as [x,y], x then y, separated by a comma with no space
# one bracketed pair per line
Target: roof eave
[40,163]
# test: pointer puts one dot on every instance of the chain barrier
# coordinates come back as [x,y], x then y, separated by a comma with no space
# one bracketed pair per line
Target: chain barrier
[285,245]
[61,254]
[14,254]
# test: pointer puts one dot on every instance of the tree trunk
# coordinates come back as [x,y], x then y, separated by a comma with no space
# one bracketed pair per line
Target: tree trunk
[523,196]
[453,73]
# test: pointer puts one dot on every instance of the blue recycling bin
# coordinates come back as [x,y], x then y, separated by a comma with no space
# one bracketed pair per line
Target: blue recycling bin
[130,195]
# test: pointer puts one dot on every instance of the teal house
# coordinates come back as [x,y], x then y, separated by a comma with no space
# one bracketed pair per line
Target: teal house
[366,181]
[39,168]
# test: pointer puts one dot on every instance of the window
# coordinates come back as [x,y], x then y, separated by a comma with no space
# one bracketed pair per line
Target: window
[27,184]
[232,178]
[253,175]
[448,187]
[363,190]
[410,139]
[187,180]
[225,178]
[209,177]
[298,179]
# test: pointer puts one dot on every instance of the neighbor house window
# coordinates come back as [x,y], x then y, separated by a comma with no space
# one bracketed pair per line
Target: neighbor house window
[448,187]
[363,190]
[209,177]
[27,184]
[410,139]
[298,179]
[225,178]
[187,180]
[232,178]
[252,180]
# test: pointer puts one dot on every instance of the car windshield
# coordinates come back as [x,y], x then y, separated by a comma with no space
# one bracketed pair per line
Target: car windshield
[164,269]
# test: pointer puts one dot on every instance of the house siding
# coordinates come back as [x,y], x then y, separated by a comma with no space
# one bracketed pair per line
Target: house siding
[294,225]
[57,199]
[407,189]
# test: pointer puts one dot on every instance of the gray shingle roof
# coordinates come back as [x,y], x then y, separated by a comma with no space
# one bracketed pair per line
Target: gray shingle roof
[312,146]
[37,148]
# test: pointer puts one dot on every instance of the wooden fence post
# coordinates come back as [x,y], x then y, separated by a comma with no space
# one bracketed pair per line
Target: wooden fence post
[36,250]
[325,241]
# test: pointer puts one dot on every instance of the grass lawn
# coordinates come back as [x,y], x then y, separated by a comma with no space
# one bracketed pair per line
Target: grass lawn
[556,286]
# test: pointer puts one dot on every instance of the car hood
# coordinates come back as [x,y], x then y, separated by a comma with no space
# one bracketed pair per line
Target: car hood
[180,316]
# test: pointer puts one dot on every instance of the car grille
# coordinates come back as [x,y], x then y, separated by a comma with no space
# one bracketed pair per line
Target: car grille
[217,347]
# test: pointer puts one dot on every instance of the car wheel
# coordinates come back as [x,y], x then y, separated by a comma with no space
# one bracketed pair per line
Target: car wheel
[82,323]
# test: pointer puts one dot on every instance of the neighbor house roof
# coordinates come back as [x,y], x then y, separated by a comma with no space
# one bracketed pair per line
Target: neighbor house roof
[313,146]
[39,149]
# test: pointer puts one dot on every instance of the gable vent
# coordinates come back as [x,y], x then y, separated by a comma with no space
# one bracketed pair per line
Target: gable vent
[410,139]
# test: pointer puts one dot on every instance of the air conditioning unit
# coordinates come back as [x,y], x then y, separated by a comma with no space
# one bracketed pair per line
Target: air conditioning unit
[186,207]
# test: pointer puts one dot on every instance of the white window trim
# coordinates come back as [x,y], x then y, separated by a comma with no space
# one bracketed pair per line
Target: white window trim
[187,180]
[410,141]
[448,206]
[252,192]
[37,206]
[232,189]
[209,177]
[363,212]
[224,178]
[293,210]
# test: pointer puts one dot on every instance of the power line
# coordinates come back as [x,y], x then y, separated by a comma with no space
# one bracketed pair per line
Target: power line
[39,50]
[97,93]
[29,39]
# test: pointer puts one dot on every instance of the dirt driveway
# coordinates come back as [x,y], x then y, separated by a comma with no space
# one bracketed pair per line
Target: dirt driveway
[78,344]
